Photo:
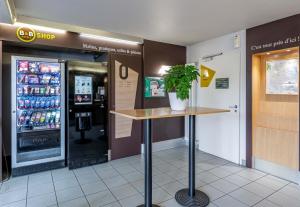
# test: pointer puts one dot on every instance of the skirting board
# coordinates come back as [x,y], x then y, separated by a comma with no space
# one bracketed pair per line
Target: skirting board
[167,144]
[277,170]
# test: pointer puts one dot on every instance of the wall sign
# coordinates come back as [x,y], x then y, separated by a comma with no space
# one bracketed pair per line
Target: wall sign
[282,77]
[154,87]
[83,90]
[222,83]
[26,34]
[125,95]
[70,40]
[206,76]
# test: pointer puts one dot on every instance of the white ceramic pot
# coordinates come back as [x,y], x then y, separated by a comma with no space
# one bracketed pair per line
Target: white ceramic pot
[177,104]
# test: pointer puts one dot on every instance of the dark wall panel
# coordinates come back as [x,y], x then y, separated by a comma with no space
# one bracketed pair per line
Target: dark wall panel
[155,55]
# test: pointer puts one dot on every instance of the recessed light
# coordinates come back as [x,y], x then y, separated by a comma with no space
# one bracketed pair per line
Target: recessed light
[288,50]
[109,39]
[42,28]
[268,53]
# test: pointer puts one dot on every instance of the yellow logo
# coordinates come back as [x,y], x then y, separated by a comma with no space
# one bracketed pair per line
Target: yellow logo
[207,75]
[26,34]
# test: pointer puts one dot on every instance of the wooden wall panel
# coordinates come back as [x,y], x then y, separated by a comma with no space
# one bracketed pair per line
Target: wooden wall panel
[275,118]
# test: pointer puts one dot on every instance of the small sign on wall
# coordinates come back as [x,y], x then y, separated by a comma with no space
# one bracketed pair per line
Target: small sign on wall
[222,83]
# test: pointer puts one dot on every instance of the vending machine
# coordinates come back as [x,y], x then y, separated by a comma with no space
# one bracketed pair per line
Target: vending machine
[37,114]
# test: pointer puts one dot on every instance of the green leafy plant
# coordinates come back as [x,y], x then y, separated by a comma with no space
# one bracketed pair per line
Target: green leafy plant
[179,79]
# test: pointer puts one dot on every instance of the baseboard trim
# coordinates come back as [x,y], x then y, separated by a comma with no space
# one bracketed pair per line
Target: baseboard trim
[277,170]
[167,144]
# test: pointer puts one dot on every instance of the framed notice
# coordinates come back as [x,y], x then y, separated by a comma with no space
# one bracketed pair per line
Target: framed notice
[154,87]
[282,77]
[222,83]
[83,90]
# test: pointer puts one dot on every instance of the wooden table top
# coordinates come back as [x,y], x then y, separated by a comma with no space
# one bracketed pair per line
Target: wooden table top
[158,113]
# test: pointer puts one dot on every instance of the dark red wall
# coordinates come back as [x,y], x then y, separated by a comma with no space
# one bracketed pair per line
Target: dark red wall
[156,54]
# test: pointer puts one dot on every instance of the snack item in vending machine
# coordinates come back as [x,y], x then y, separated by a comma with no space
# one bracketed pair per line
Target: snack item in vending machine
[21,118]
[48,116]
[33,67]
[57,102]
[45,79]
[28,116]
[57,119]
[32,102]
[47,103]
[37,118]
[21,103]
[43,103]
[26,90]
[27,103]
[32,119]
[54,79]
[43,118]
[37,103]
[44,68]
[42,90]
[22,65]
[52,103]
[33,79]
[52,91]
[20,91]
[54,67]
[47,92]
[57,90]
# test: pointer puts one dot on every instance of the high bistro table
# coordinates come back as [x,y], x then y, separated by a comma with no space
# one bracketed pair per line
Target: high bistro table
[186,197]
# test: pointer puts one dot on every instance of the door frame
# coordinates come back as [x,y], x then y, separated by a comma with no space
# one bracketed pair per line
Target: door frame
[249,127]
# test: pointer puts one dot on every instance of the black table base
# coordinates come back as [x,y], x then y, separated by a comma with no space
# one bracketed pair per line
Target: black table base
[199,199]
[192,197]
[148,164]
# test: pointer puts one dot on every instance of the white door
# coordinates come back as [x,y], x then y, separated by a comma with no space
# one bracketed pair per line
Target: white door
[218,134]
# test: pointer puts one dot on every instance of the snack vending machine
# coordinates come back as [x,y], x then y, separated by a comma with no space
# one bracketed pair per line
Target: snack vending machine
[37,113]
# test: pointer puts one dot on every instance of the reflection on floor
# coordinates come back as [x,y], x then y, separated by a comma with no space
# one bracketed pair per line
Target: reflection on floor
[120,184]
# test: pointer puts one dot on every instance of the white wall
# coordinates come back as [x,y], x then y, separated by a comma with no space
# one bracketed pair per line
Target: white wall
[223,44]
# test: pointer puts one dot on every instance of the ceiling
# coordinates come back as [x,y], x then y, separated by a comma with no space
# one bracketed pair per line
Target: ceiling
[174,21]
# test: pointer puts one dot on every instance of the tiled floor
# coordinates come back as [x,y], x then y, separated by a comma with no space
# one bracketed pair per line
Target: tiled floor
[120,184]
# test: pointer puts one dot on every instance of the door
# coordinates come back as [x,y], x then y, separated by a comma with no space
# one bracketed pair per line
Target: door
[87,117]
[126,93]
[218,134]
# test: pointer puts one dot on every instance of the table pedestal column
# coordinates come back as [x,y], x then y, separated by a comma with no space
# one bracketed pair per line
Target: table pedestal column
[191,196]
[148,164]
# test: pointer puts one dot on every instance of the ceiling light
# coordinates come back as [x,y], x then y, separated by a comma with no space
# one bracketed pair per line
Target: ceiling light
[288,50]
[268,53]
[109,39]
[42,28]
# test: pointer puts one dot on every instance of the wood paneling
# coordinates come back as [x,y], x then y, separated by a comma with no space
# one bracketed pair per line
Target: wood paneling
[156,54]
[275,118]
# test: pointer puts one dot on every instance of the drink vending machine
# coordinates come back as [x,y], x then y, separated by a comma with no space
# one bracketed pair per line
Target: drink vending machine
[37,112]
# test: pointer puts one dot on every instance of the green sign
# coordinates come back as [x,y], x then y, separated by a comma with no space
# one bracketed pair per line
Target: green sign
[154,87]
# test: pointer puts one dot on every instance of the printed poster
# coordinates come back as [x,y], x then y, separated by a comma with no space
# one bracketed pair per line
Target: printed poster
[83,90]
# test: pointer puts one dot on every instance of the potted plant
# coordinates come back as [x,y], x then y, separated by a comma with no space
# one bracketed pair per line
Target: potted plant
[178,82]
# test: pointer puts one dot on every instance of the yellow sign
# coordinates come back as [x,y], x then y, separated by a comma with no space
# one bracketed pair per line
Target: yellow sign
[26,34]
[207,75]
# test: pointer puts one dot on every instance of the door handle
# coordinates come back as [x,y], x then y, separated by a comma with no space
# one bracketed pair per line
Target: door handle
[233,107]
